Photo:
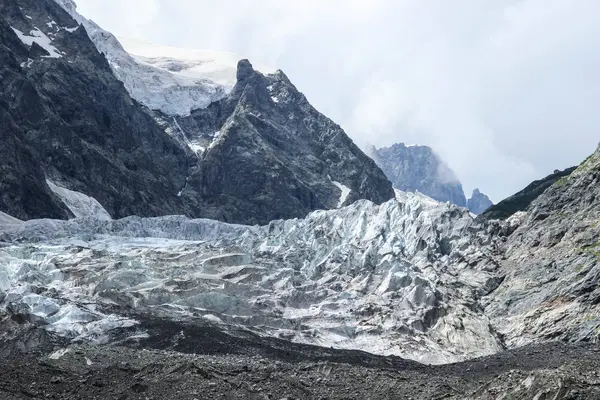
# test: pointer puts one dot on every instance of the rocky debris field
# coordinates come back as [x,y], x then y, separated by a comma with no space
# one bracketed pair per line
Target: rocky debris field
[195,361]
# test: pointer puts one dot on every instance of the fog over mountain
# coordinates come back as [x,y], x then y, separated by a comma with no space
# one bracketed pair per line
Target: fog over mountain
[505,91]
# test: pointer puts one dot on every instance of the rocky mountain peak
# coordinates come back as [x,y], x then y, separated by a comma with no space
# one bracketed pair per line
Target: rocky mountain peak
[478,202]
[419,168]
[249,155]
[244,71]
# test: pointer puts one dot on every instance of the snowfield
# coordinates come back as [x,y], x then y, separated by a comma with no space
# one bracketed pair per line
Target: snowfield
[386,279]
[171,80]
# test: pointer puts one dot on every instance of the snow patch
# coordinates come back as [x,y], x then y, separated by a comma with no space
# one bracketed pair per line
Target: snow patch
[6,219]
[196,147]
[35,35]
[81,205]
[27,64]
[345,192]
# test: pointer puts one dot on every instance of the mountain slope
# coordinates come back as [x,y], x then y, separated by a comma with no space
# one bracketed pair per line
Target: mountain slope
[550,290]
[67,112]
[71,122]
[522,199]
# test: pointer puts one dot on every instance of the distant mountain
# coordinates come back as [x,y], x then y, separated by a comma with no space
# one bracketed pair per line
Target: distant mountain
[420,169]
[86,128]
[478,202]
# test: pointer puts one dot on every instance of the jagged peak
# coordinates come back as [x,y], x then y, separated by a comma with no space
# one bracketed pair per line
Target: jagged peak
[244,70]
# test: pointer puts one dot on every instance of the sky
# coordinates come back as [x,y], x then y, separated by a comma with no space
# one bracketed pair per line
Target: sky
[506,91]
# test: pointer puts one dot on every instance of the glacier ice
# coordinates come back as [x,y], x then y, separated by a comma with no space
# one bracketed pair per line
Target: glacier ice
[390,279]
[173,81]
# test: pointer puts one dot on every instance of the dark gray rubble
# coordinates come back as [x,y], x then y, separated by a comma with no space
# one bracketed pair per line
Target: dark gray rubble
[202,362]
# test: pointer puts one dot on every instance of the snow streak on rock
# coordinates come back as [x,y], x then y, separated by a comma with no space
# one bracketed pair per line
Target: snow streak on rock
[81,205]
[37,36]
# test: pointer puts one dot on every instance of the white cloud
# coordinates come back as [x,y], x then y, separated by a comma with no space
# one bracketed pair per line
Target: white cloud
[505,91]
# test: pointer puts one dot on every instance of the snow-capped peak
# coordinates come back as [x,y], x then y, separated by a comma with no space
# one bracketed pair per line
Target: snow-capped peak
[171,80]
[220,67]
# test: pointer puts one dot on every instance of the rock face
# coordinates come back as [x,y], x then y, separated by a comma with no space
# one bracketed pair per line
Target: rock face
[265,153]
[68,120]
[521,200]
[552,265]
[418,168]
[478,202]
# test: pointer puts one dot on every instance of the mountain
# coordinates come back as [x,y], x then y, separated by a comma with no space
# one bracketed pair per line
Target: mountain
[478,202]
[69,123]
[337,286]
[265,153]
[419,169]
[521,200]
[67,119]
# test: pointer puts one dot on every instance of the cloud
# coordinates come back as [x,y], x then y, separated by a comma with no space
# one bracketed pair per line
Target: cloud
[505,91]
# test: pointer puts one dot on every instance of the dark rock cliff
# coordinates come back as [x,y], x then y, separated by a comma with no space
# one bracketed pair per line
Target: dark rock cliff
[66,118]
[269,154]
[69,120]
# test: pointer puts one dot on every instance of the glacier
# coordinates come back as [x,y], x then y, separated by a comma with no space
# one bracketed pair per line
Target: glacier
[401,278]
[166,79]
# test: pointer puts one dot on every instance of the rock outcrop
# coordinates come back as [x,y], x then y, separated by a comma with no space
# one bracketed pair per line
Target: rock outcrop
[419,168]
[265,153]
[478,202]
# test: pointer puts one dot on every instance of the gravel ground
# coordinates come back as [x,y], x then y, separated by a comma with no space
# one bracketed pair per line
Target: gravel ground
[194,361]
